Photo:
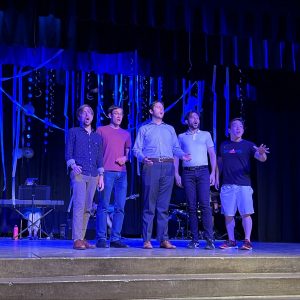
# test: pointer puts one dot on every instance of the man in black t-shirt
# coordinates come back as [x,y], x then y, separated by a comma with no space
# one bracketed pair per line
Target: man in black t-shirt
[236,192]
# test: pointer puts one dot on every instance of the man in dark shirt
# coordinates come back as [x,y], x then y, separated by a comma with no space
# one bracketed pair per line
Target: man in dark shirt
[84,157]
[236,192]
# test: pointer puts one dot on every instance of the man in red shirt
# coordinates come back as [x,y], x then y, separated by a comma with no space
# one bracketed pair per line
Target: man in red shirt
[116,146]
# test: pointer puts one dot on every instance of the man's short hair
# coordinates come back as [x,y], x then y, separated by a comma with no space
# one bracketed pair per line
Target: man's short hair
[236,119]
[112,108]
[155,102]
[188,114]
[81,108]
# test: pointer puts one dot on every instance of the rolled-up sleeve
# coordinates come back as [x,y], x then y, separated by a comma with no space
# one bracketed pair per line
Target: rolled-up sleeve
[138,145]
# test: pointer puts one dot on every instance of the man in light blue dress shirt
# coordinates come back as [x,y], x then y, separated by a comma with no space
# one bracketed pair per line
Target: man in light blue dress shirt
[155,146]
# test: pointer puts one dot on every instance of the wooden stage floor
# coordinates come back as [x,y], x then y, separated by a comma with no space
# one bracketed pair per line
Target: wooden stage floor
[55,248]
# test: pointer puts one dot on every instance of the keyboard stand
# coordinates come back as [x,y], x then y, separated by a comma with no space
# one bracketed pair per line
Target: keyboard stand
[33,223]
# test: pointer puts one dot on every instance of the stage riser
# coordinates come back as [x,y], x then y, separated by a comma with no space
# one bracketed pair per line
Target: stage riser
[135,287]
[19,268]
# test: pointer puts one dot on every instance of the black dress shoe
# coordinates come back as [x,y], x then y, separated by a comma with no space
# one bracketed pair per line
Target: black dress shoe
[118,244]
[101,244]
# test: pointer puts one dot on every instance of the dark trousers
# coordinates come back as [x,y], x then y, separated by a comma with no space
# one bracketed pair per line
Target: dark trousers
[197,191]
[158,182]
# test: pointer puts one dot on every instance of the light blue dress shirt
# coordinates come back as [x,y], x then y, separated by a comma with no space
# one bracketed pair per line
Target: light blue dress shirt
[155,140]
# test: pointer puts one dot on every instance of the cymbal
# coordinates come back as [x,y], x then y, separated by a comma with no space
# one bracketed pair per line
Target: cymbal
[171,205]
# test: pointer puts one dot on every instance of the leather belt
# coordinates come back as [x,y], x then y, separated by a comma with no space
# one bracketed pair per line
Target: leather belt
[161,159]
[195,168]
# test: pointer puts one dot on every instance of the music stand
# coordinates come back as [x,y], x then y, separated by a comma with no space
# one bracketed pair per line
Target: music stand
[33,183]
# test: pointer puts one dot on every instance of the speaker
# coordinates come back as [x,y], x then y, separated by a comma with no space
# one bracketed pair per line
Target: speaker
[40,192]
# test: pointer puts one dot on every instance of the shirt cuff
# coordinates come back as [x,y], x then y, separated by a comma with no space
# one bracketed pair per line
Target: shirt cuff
[70,162]
[100,171]
[141,158]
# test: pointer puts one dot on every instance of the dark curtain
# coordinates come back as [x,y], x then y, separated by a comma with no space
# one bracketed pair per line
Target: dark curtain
[278,178]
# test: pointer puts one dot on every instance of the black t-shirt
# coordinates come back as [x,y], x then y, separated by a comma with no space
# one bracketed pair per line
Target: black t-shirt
[236,158]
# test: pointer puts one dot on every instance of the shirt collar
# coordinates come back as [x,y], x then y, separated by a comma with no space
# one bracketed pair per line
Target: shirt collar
[192,133]
[82,128]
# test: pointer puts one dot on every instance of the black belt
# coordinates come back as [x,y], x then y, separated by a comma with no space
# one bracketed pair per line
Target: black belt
[161,159]
[195,168]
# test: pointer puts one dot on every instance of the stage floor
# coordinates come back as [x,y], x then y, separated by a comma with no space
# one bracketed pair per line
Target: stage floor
[46,248]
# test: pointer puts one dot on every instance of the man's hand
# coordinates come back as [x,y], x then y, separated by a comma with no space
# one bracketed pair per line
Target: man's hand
[100,184]
[262,149]
[147,161]
[178,180]
[212,179]
[186,157]
[76,169]
[121,160]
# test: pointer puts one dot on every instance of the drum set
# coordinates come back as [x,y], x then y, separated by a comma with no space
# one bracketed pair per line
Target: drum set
[179,218]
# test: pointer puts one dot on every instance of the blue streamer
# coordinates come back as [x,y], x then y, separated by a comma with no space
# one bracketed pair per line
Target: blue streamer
[38,67]
[266,53]
[227,101]
[251,62]
[66,104]
[82,87]
[73,98]
[183,95]
[1,135]
[214,105]
[116,90]
[48,123]
[16,142]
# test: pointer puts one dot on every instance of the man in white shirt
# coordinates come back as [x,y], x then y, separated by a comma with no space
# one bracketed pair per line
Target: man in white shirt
[196,178]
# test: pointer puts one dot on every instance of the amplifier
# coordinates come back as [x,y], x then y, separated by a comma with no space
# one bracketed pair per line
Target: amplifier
[40,192]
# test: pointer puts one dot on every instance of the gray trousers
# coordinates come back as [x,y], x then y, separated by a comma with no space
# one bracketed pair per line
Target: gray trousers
[158,181]
[84,188]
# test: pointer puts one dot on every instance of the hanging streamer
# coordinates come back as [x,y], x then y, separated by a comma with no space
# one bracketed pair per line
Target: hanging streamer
[1,136]
[200,95]
[266,54]
[116,90]
[121,90]
[251,62]
[159,88]
[181,97]
[293,56]
[16,142]
[235,41]
[227,101]
[14,107]
[131,126]
[28,112]
[213,89]
[152,94]
[66,104]
[74,117]
[36,68]
[82,87]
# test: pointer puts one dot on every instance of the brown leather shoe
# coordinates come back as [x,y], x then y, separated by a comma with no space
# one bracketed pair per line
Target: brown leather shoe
[79,245]
[147,245]
[167,245]
[88,245]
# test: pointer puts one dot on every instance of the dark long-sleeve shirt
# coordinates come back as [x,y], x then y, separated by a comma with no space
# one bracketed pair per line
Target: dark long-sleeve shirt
[85,150]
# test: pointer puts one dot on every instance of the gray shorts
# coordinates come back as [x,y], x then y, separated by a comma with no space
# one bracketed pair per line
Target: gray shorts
[236,197]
